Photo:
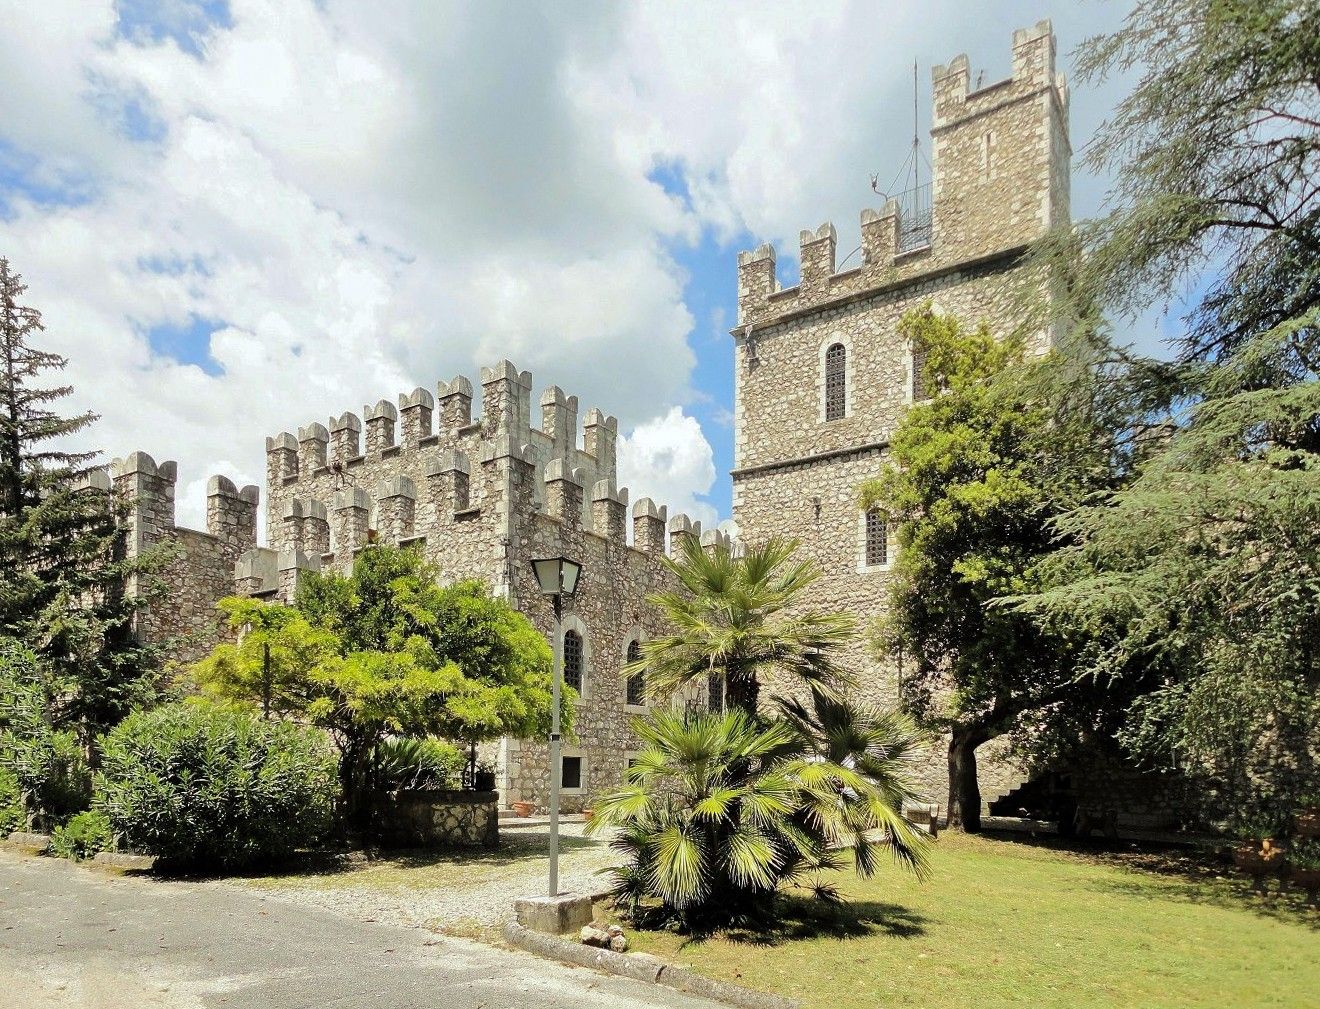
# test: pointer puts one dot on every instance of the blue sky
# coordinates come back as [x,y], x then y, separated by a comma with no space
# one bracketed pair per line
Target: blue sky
[242,216]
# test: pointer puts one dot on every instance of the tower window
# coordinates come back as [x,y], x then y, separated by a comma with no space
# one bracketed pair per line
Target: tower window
[573,660]
[637,681]
[919,390]
[877,539]
[836,382]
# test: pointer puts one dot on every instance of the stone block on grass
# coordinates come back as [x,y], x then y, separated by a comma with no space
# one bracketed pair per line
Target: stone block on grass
[566,912]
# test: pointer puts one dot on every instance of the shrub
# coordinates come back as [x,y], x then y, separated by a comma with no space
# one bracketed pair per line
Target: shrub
[83,836]
[411,763]
[197,785]
[720,811]
[48,765]
[12,814]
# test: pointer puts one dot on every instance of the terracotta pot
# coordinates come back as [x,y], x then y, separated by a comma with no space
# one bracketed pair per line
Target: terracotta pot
[524,808]
[588,813]
[1307,823]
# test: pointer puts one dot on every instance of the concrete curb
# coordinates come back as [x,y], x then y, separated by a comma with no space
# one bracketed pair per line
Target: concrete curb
[36,844]
[641,967]
[123,860]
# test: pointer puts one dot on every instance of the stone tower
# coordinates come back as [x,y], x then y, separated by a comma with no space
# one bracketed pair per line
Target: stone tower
[822,374]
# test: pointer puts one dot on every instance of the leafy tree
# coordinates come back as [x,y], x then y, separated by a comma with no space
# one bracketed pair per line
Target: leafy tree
[61,572]
[730,617]
[974,477]
[1204,572]
[719,811]
[387,652]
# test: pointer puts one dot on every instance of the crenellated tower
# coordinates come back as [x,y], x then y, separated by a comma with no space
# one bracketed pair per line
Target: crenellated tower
[822,375]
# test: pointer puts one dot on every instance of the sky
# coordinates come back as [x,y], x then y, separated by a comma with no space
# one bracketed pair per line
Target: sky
[241,216]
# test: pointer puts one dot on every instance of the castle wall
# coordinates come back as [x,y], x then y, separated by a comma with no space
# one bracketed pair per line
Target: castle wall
[199,571]
[1000,182]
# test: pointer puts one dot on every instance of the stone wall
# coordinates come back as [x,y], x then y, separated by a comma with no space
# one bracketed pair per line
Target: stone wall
[1000,181]
[200,571]
[436,819]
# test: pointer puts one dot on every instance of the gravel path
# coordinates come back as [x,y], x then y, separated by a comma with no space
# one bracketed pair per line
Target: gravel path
[465,893]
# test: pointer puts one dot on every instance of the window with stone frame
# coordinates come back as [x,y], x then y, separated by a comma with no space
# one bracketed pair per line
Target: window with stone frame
[919,390]
[573,660]
[715,692]
[637,681]
[877,539]
[836,382]
[570,772]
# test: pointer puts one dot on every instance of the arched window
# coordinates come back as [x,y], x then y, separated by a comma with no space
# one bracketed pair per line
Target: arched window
[877,539]
[637,681]
[836,382]
[573,660]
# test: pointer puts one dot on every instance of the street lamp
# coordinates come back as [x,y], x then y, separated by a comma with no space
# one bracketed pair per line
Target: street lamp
[557,577]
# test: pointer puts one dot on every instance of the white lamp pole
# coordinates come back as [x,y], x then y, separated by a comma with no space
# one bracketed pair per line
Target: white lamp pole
[557,577]
[556,764]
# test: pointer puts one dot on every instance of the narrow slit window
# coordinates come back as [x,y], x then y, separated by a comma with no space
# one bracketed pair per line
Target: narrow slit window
[715,691]
[573,660]
[637,681]
[836,382]
[920,392]
[877,539]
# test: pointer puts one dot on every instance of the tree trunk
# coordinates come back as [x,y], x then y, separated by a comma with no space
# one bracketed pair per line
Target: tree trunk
[741,692]
[964,791]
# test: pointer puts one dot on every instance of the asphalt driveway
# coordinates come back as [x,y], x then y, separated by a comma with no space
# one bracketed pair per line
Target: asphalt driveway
[73,936]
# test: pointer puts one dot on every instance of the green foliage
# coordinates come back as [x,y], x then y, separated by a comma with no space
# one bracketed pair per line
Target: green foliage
[719,811]
[974,477]
[61,571]
[1305,854]
[1201,577]
[83,836]
[386,652]
[197,785]
[731,617]
[12,814]
[47,764]
[409,763]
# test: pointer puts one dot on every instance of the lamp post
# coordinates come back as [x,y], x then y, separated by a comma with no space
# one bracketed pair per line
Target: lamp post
[557,577]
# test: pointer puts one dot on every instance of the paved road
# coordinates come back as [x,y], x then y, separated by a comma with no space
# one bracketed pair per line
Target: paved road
[78,937]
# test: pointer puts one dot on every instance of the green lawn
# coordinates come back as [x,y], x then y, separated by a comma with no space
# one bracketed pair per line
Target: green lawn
[1003,923]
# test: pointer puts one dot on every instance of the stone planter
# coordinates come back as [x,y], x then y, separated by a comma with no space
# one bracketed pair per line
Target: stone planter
[1259,859]
[1308,880]
[1307,823]
[436,818]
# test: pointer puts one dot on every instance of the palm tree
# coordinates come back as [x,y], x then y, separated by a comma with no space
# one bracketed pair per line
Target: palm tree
[730,617]
[719,810]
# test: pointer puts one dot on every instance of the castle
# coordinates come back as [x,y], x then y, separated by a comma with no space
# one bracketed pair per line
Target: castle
[822,377]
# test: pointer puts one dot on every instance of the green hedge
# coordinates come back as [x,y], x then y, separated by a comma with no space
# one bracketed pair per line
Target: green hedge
[12,814]
[200,786]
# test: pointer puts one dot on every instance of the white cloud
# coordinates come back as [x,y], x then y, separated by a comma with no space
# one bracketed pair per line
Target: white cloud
[372,197]
[669,460]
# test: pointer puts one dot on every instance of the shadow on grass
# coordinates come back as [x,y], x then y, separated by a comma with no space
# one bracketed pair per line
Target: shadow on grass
[514,849]
[798,918]
[1202,873]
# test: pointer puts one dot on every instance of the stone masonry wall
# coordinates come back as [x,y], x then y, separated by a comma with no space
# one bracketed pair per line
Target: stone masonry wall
[201,570]
[1000,181]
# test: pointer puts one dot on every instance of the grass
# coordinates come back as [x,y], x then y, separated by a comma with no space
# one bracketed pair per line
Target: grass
[1005,923]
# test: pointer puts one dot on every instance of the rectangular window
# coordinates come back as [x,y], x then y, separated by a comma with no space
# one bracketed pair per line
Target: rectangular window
[636,696]
[715,691]
[919,390]
[877,539]
[571,773]
[573,660]
[836,382]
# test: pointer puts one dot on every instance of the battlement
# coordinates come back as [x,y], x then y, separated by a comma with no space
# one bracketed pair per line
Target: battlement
[149,488]
[1000,167]
[422,421]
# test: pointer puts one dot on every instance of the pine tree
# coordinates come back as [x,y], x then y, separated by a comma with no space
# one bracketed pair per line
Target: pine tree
[62,569]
